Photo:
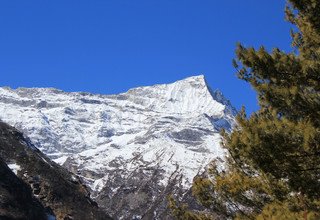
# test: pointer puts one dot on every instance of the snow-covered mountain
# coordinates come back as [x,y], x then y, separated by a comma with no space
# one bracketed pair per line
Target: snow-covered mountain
[133,148]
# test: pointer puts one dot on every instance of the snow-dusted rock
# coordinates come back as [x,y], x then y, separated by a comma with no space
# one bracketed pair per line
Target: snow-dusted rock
[133,148]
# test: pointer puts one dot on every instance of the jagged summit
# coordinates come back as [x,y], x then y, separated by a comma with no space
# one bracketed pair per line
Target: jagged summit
[200,79]
[187,96]
[197,81]
[146,142]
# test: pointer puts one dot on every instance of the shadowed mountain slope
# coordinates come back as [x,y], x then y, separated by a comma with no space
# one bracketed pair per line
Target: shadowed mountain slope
[55,187]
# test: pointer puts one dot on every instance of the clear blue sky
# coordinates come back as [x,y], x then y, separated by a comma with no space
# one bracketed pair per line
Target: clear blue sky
[109,46]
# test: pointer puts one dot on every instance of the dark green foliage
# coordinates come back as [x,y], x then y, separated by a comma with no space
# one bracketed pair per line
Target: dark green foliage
[274,155]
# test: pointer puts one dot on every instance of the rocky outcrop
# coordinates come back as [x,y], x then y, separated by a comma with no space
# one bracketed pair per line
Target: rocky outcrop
[62,194]
[16,198]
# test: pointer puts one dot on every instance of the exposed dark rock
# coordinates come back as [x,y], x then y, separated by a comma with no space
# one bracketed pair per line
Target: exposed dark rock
[53,185]
[16,199]
[90,101]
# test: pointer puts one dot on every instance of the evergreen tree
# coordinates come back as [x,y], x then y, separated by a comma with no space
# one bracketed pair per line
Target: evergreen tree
[274,155]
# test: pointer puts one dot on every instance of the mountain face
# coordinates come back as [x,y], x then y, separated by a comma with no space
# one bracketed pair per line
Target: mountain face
[132,149]
[36,188]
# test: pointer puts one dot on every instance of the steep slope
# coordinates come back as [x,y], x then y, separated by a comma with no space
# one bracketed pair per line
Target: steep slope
[133,148]
[17,200]
[58,190]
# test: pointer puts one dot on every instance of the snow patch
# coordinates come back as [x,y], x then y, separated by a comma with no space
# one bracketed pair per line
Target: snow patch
[61,160]
[14,167]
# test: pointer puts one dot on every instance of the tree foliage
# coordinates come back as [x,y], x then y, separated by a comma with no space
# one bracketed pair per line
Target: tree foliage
[274,155]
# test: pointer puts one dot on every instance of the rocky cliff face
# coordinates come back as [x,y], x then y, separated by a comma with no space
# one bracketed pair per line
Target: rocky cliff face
[38,188]
[17,200]
[132,149]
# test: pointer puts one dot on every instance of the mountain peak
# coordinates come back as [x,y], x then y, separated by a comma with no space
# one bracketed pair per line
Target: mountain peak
[194,80]
[187,96]
[154,137]
[200,78]
[200,82]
